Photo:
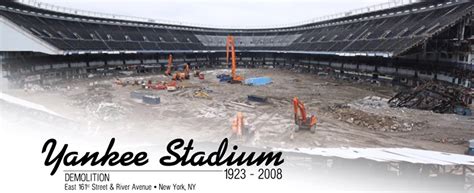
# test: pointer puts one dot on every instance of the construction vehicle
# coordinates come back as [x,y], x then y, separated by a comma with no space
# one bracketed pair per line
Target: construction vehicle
[160,86]
[149,84]
[230,53]
[170,65]
[238,125]
[198,74]
[301,120]
[172,86]
[169,86]
[182,75]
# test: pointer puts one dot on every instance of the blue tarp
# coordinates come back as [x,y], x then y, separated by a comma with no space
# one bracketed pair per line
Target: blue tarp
[258,81]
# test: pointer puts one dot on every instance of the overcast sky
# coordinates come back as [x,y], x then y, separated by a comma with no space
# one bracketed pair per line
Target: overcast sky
[243,13]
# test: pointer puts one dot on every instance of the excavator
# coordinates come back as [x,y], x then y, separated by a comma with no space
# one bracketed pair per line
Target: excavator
[238,127]
[182,75]
[170,86]
[302,121]
[170,65]
[230,53]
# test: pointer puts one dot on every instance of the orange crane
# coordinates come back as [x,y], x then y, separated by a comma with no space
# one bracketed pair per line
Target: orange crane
[170,65]
[303,122]
[230,52]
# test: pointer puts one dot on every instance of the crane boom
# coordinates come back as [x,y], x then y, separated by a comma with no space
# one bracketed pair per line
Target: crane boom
[298,105]
[170,64]
[230,53]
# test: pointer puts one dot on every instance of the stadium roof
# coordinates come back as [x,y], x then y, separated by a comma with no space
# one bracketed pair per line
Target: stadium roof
[375,32]
[344,14]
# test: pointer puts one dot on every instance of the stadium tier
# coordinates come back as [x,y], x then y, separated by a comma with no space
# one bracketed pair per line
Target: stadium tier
[421,39]
[389,32]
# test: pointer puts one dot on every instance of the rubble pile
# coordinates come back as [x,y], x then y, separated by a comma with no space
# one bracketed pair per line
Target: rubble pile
[107,111]
[451,140]
[371,102]
[203,93]
[33,88]
[97,100]
[372,121]
[433,96]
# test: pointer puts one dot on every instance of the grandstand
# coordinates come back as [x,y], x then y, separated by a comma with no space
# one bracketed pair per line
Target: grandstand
[429,39]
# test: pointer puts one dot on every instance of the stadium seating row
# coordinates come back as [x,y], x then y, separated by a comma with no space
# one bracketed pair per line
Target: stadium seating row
[392,33]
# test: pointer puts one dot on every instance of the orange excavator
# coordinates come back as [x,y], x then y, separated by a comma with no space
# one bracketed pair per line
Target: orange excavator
[238,125]
[170,65]
[230,52]
[303,122]
[186,71]
[182,75]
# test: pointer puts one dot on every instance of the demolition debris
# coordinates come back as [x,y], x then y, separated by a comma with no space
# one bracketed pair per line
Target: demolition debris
[433,96]
[348,114]
[97,100]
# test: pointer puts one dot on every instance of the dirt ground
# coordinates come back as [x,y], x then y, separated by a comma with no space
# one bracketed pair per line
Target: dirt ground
[350,113]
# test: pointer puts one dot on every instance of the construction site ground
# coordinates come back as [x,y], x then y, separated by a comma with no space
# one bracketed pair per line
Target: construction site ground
[351,113]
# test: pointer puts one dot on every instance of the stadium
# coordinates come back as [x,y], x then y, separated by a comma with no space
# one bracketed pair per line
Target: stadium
[398,75]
